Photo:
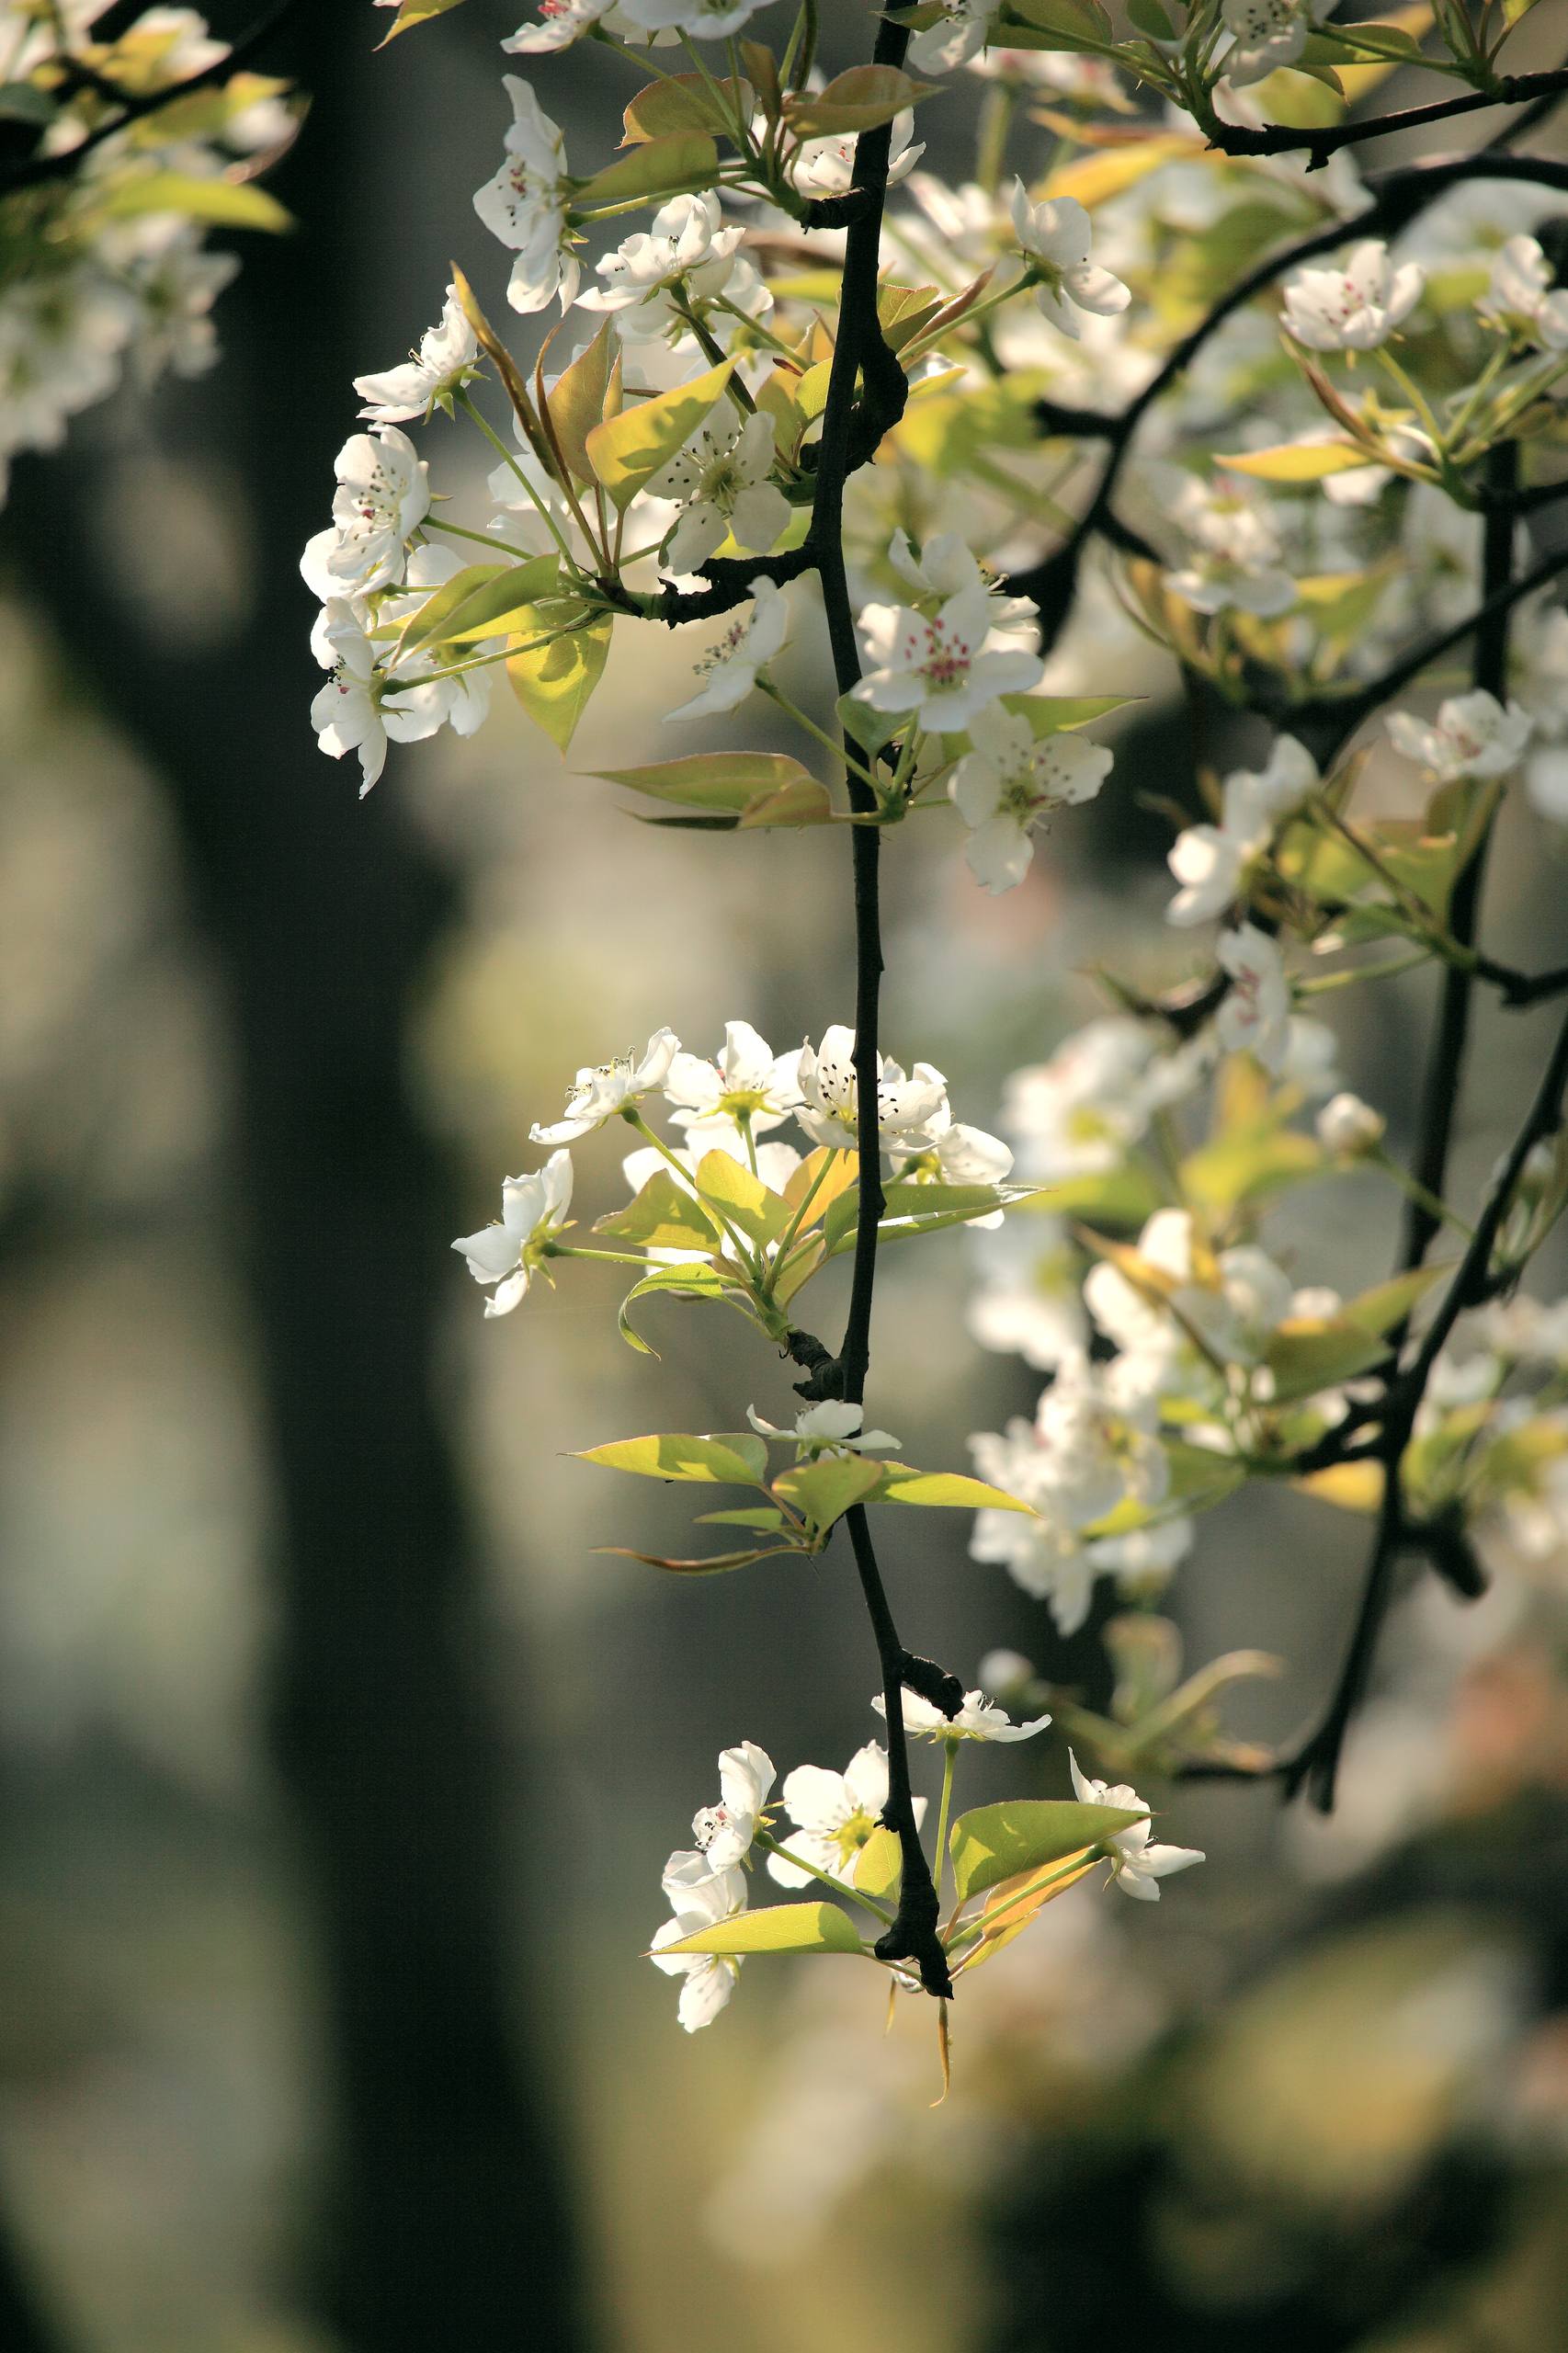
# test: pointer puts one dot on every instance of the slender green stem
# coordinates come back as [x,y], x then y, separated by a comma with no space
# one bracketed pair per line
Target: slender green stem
[480,538]
[948,1761]
[840,750]
[744,1251]
[787,1238]
[1427,1202]
[470,408]
[580,1250]
[839,1887]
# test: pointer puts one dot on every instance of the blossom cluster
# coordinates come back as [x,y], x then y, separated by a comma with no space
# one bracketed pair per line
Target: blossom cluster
[106,269]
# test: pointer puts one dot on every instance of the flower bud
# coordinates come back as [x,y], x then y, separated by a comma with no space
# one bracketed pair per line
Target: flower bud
[1348,1128]
[1001,1672]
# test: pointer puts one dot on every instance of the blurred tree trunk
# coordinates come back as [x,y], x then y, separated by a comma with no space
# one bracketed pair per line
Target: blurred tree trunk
[447,2227]
[22,2326]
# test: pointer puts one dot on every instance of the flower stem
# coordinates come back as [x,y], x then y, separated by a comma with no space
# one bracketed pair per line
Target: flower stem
[839,1887]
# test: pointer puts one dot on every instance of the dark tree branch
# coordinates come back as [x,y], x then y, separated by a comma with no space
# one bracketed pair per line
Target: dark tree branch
[1283,139]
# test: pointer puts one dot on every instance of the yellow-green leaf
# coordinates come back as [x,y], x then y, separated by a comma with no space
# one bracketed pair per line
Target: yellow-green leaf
[227,204]
[416,12]
[626,450]
[737,1460]
[719,780]
[686,102]
[853,101]
[686,159]
[742,1199]
[945,1490]
[1293,461]
[779,1927]
[662,1217]
[555,682]
[879,1866]
[1311,1352]
[998,1842]
[577,399]
[824,1490]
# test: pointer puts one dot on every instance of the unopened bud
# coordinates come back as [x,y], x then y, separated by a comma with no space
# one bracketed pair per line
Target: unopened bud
[1348,1128]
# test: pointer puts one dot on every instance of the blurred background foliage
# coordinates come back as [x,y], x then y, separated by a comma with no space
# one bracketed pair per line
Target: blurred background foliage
[339,1768]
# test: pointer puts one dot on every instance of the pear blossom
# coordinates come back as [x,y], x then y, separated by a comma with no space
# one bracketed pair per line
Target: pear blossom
[447,357]
[1044,1556]
[1523,296]
[830,1111]
[525,204]
[957,35]
[1349,1128]
[1136,1864]
[832,1428]
[834,1814]
[1233,1302]
[945,665]
[1028,1303]
[978,1718]
[598,1095]
[1355,308]
[533,1211]
[952,1153]
[560,23]
[1079,1113]
[749,1083]
[1211,861]
[747,646]
[697,19]
[826,167]
[1010,779]
[682,259]
[382,496]
[1254,1012]
[363,705]
[1233,551]
[721,479]
[700,1898]
[724,1831]
[1056,236]
[1473,734]
[1268,34]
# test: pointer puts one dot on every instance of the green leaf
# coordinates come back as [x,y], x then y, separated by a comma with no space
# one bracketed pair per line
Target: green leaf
[482,600]
[416,12]
[686,102]
[879,1866]
[779,1927]
[761,1516]
[227,204]
[1199,1479]
[1297,461]
[24,102]
[554,683]
[662,1217]
[686,159]
[1057,24]
[577,399]
[998,1842]
[1386,1304]
[1309,1352]
[1247,1162]
[626,450]
[803,802]
[1150,18]
[913,1210]
[824,1490]
[715,1564]
[737,1460]
[677,1283]
[868,728]
[725,781]
[744,1198]
[945,1490]
[854,101]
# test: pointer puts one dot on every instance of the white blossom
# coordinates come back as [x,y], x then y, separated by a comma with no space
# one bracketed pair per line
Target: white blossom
[1008,781]
[597,1094]
[829,1110]
[447,356]
[1136,1864]
[959,33]
[1355,308]
[525,204]
[834,1814]
[978,1718]
[724,1831]
[560,23]
[1523,297]
[721,481]
[1233,551]
[820,168]
[832,1428]
[699,19]
[533,1211]
[1056,236]
[947,665]
[1268,34]
[1210,862]
[684,258]
[729,671]
[1254,1012]
[748,1082]
[382,496]
[700,1898]
[1473,734]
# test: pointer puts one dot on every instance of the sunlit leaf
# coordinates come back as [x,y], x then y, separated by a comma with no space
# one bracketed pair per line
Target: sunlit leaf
[626,450]
[554,683]
[685,159]
[737,1460]
[997,1842]
[779,1927]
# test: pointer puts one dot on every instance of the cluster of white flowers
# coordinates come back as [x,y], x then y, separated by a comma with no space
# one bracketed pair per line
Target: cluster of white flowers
[106,267]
